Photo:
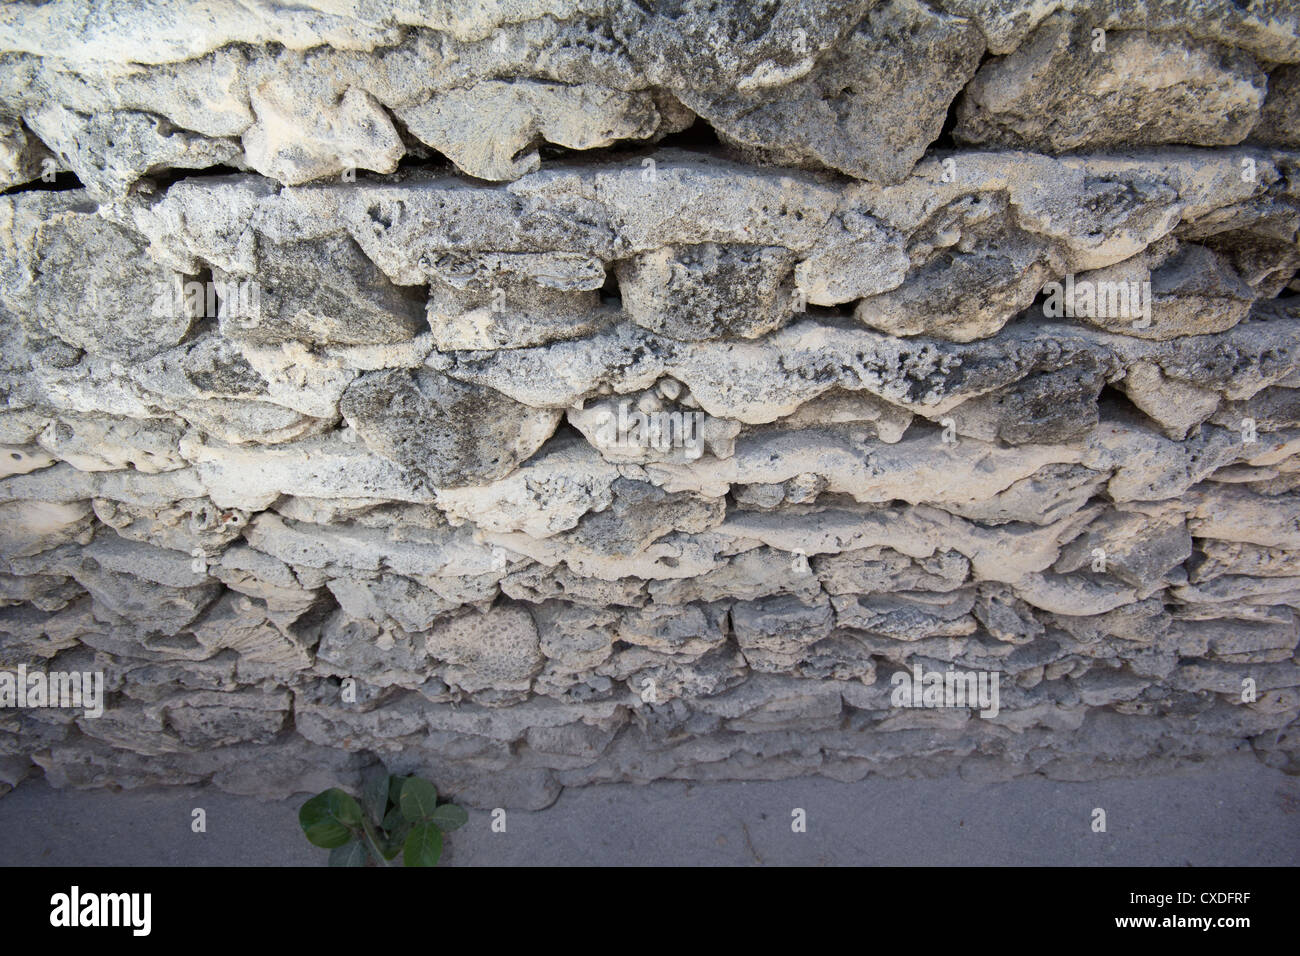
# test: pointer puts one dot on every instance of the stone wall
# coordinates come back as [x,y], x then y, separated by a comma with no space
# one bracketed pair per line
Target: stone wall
[545,392]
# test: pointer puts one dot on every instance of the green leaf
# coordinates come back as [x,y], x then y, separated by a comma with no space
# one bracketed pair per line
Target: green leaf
[396,840]
[394,821]
[328,819]
[350,854]
[345,807]
[423,845]
[449,817]
[419,798]
[395,789]
[374,793]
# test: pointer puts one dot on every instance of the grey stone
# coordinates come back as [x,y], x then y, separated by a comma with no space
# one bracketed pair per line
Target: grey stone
[709,291]
[1059,92]
[451,432]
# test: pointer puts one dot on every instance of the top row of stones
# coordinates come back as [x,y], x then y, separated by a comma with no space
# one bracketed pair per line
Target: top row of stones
[115,91]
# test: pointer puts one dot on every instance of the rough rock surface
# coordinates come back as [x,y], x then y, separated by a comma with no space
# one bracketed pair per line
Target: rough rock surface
[350,411]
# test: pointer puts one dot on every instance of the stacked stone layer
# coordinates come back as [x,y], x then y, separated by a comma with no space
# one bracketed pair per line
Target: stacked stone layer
[390,468]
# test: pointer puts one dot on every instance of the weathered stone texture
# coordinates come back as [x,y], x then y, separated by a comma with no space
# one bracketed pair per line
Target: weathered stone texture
[529,468]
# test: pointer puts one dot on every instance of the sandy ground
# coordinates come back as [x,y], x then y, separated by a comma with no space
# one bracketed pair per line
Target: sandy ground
[1234,812]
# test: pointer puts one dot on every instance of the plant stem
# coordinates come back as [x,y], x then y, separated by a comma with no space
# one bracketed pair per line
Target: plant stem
[374,847]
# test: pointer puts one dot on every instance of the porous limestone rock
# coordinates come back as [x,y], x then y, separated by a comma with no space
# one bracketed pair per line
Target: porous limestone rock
[1072,83]
[451,432]
[539,393]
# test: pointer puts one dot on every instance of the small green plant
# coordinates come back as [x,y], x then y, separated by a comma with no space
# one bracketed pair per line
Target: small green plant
[394,815]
